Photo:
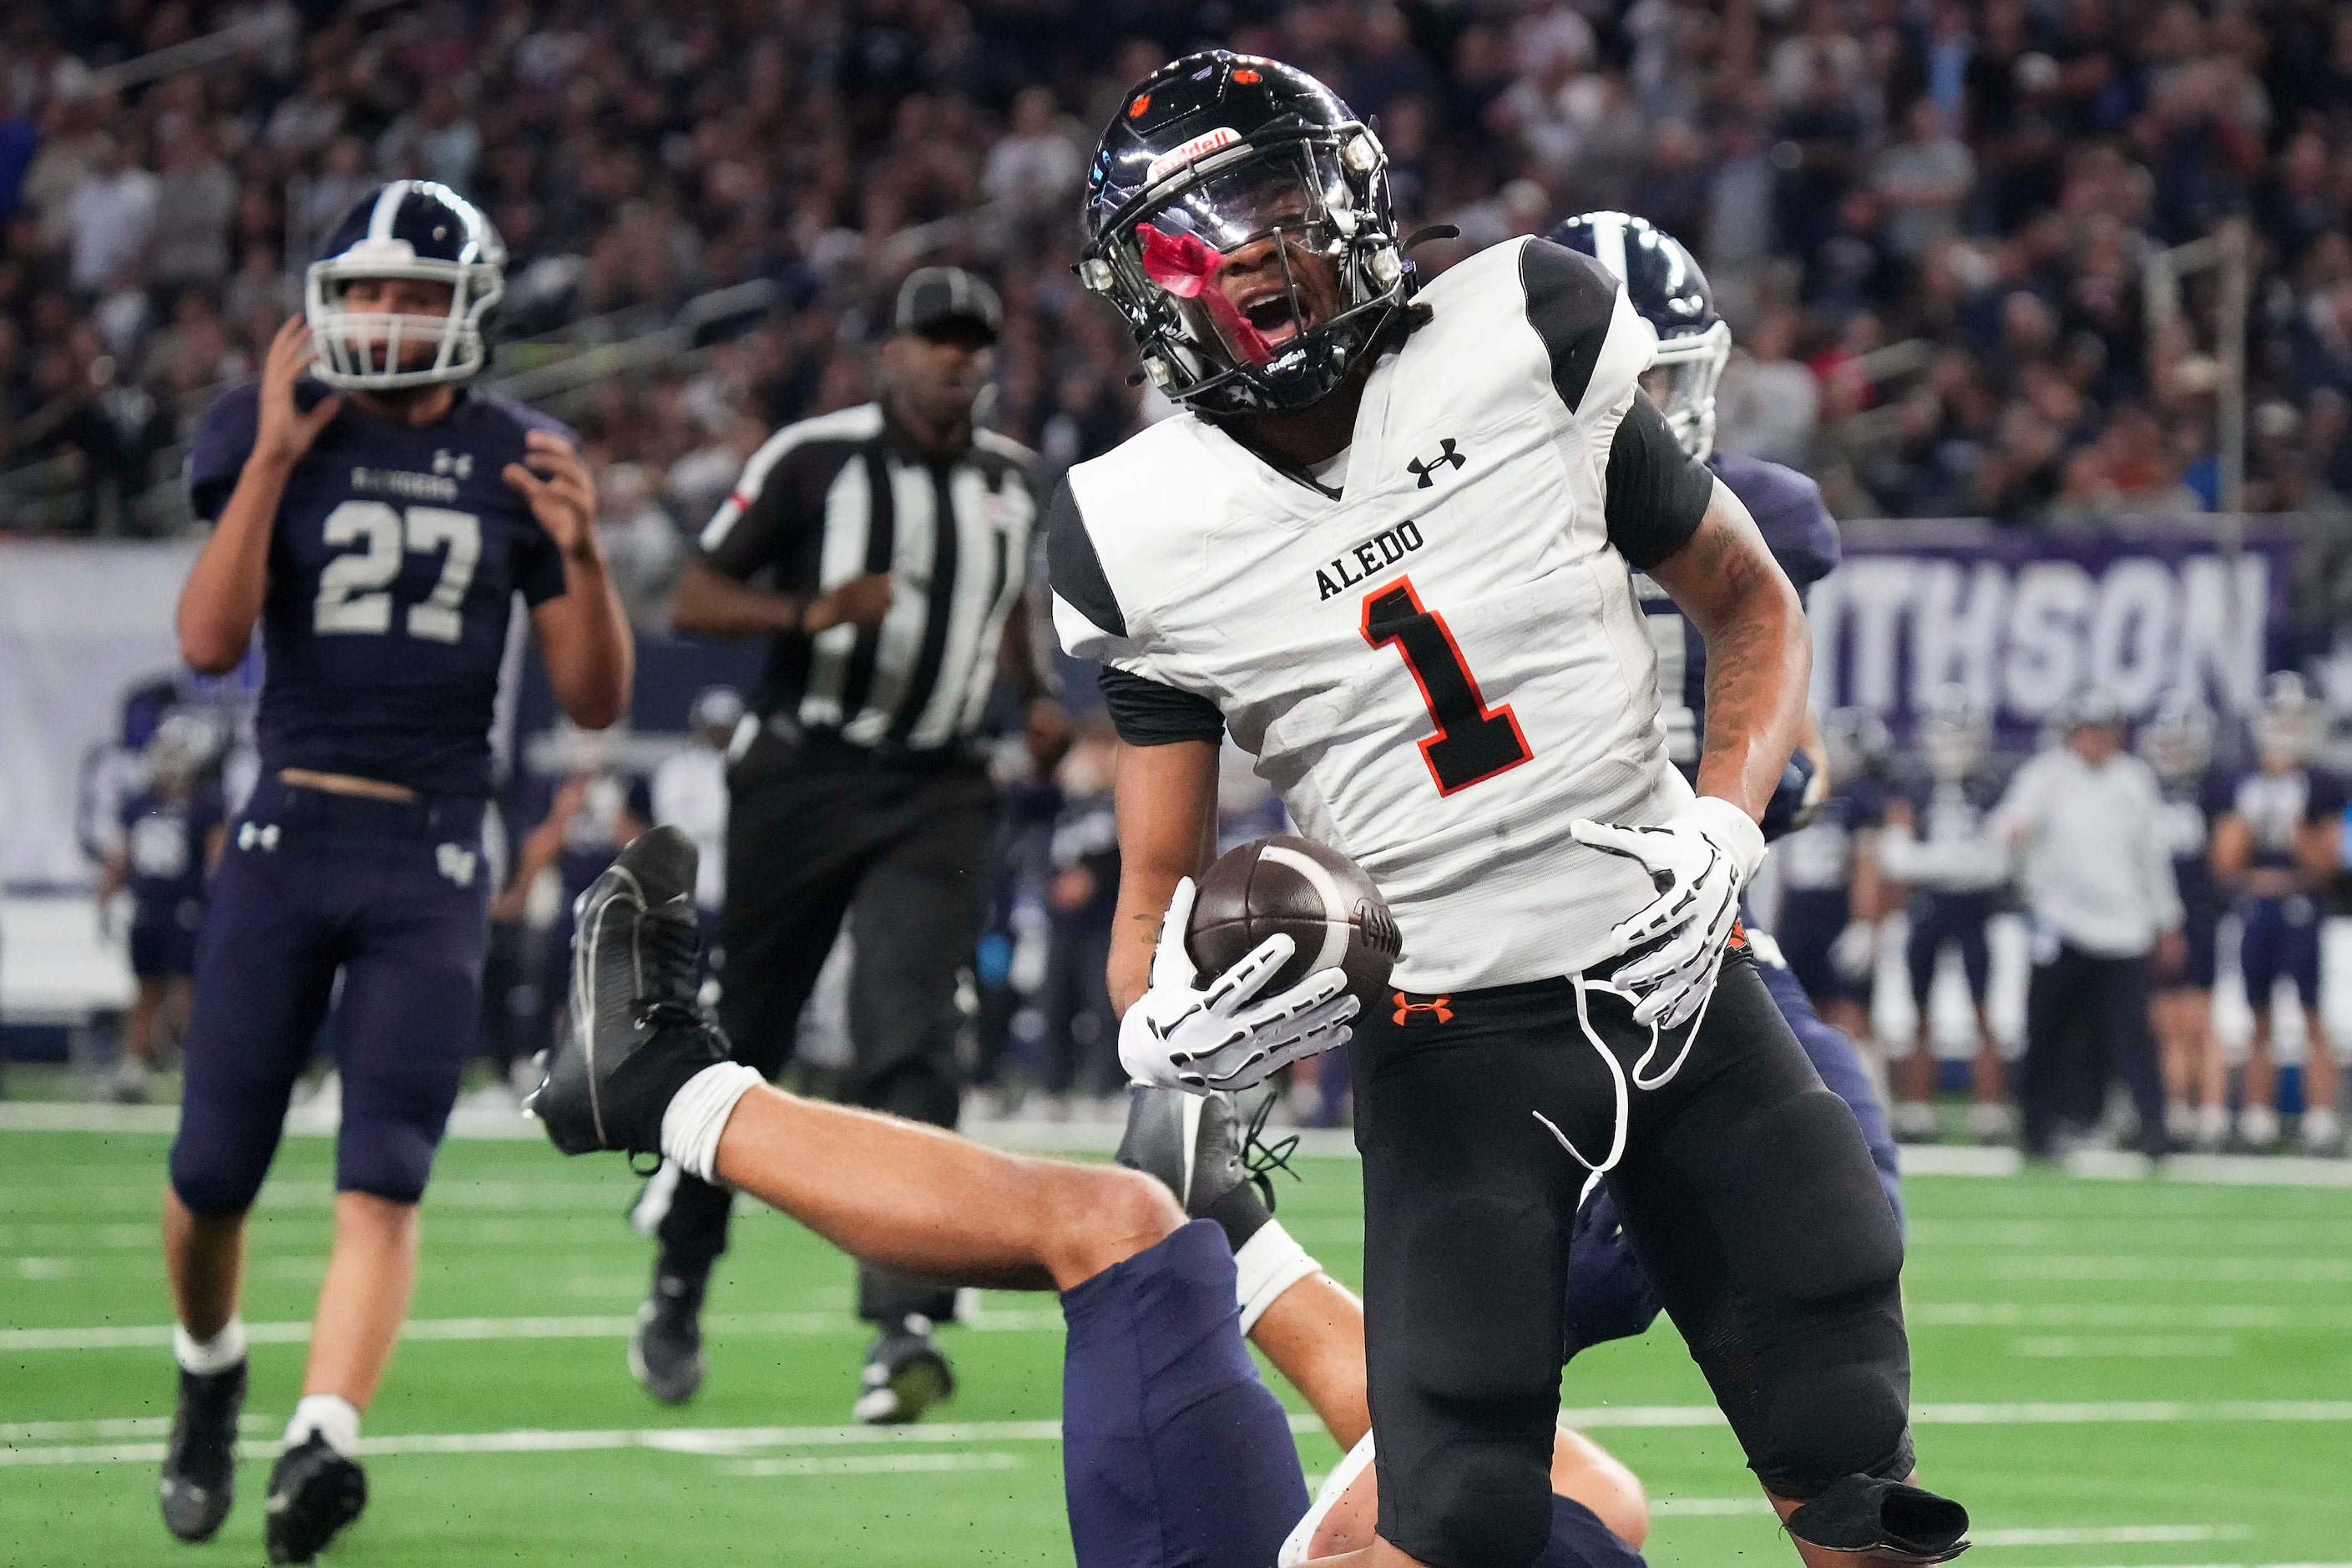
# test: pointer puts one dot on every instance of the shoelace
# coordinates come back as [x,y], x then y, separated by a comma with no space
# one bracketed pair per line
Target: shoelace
[1261,1157]
[1621,1088]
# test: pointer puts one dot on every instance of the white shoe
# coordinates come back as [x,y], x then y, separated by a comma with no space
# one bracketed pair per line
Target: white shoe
[2213,1127]
[2258,1126]
[2322,1133]
[2180,1121]
[1988,1123]
[1915,1121]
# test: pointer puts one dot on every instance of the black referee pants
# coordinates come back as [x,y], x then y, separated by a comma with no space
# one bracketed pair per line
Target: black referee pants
[2086,1019]
[814,835]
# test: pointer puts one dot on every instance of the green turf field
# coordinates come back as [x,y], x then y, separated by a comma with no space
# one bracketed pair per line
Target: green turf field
[2108,1373]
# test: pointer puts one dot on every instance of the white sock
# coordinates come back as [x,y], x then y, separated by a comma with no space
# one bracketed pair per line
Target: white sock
[1268,1263]
[698,1114]
[2319,1126]
[2258,1125]
[203,1357]
[332,1416]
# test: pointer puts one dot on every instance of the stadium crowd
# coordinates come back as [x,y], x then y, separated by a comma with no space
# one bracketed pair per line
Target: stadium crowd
[1925,218]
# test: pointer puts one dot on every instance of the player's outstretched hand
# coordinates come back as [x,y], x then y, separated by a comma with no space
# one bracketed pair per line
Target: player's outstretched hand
[1699,858]
[1225,1037]
[554,479]
[284,430]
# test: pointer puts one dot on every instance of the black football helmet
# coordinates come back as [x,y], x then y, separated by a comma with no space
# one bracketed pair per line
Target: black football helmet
[1211,154]
[409,228]
[1667,289]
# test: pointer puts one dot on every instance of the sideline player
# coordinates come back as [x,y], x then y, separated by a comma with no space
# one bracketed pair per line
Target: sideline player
[2178,743]
[1832,894]
[2277,848]
[1934,841]
[170,838]
[1387,542]
[378,535]
[1175,1453]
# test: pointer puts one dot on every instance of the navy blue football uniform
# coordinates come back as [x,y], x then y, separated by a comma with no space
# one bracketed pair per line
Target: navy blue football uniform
[2191,806]
[395,559]
[1817,861]
[163,846]
[1802,537]
[2279,914]
[1952,904]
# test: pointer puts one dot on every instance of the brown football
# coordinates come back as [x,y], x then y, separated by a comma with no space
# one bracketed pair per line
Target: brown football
[1318,897]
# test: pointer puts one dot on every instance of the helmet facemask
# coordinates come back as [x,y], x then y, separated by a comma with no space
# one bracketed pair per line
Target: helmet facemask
[1254,279]
[371,350]
[1681,381]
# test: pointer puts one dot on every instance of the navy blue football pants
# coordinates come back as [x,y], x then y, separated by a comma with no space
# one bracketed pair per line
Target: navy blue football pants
[393,896]
[1174,1454]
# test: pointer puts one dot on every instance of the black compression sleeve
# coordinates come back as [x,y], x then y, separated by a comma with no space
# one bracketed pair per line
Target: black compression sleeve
[1147,713]
[1657,492]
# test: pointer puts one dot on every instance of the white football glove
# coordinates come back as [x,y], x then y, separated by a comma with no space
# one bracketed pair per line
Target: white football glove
[1179,1036]
[1855,953]
[1700,858]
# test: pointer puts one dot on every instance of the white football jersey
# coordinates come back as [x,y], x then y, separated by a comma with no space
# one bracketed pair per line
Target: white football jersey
[1441,666]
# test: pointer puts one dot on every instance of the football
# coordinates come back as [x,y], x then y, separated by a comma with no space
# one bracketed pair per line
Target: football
[1315,895]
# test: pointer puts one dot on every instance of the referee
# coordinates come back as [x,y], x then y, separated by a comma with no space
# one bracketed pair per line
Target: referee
[880,549]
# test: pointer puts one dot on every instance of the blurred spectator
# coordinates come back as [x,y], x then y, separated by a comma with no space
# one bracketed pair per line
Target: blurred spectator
[1981,179]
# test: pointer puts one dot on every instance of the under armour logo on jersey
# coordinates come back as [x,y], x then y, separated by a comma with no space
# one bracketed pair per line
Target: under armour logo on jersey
[457,863]
[456,465]
[1426,471]
[1439,1008]
[260,835]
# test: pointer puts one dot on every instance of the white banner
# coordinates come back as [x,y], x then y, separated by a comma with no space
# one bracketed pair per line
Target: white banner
[80,623]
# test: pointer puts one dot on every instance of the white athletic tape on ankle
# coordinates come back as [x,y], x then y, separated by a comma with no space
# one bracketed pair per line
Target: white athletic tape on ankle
[698,1113]
[203,1357]
[1268,1264]
[332,1416]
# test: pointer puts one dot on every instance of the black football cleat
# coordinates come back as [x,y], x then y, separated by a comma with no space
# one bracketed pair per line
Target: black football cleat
[905,1374]
[1890,1520]
[313,1492]
[637,1034]
[1198,1146]
[666,1352]
[200,1465]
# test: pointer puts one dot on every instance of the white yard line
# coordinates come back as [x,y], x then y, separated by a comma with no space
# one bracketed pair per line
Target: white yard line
[2108,1535]
[873,1464]
[1102,1137]
[601,1326]
[2114,1315]
[2137,1347]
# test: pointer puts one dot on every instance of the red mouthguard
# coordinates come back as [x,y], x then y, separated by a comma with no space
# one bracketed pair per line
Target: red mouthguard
[1185,264]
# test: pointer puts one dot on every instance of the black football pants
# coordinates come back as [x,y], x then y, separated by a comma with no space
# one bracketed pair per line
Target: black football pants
[2085,1020]
[811,837]
[1747,1192]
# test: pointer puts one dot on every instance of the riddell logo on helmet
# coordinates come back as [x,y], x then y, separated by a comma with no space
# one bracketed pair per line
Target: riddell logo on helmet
[1199,147]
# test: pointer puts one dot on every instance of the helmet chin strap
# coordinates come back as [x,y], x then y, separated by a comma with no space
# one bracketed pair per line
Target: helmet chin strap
[1187,266]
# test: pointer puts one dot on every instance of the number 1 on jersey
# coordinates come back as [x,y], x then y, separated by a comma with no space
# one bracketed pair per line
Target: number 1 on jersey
[1474,742]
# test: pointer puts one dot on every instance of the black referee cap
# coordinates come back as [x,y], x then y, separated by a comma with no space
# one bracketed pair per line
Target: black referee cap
[932,296]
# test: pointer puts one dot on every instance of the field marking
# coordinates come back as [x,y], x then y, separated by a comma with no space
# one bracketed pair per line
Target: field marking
[2110,1315]
[2139,1347]
[1102,1137]
[873,1464]
[2108,1535]
[1710,1507]
[725,1442]
[600,1326]
[2177,1268]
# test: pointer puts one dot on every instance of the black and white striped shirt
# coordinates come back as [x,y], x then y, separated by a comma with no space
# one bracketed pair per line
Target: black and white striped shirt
[833,498]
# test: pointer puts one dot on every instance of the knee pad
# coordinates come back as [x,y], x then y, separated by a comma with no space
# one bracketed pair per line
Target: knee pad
[1810,1223]
[1470,1503]
[212,1178]
[1812,1363]
[389,1136]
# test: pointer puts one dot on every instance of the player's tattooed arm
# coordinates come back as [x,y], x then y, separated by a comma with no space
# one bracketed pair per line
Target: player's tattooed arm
[1167,827]
[1759,651]
[583,632]
[223,596]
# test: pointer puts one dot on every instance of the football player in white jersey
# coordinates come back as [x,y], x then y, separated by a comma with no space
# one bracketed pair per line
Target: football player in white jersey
[1386,545]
